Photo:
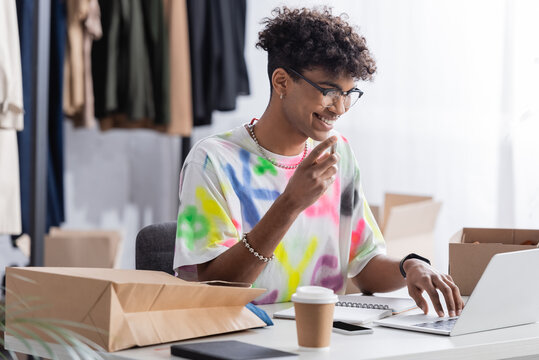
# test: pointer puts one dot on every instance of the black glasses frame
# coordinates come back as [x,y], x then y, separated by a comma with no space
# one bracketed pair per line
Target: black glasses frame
[326,91]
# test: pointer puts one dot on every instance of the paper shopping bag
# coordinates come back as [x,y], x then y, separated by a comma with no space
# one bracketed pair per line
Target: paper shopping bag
[125,308]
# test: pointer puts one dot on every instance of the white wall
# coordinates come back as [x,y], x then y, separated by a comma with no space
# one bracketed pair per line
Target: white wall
[441,117]
[120,179]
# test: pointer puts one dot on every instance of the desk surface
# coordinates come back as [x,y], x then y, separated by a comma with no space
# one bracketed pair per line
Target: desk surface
[384,343]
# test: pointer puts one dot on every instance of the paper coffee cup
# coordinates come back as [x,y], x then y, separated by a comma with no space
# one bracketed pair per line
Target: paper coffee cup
[314,306]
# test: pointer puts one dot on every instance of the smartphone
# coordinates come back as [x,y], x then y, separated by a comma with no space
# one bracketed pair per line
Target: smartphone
[350,329]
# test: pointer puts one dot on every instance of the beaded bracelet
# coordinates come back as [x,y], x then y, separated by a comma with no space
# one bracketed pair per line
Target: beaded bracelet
[255,253]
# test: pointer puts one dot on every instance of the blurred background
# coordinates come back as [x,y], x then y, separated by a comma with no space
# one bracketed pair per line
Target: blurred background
[452,113]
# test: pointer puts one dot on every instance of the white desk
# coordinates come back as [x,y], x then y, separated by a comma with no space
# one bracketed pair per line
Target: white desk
[384,343]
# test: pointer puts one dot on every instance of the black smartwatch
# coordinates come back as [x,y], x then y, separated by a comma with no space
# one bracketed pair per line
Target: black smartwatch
[408,257]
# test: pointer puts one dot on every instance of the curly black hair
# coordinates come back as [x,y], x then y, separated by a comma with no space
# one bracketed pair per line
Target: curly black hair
[303,39]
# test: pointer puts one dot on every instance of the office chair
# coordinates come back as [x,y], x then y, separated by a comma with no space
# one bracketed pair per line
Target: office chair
[154,248]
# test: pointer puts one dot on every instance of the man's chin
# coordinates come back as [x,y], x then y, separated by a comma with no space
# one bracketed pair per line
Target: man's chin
[320,135]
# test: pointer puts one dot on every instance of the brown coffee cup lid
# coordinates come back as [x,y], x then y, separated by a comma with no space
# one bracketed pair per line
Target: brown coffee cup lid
[314,295]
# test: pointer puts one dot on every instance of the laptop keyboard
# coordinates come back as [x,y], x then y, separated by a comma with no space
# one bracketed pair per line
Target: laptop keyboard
[445,324]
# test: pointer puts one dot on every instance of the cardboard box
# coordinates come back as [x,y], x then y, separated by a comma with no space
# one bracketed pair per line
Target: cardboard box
[124,308]
[82,248]
[408,225]
[471,249]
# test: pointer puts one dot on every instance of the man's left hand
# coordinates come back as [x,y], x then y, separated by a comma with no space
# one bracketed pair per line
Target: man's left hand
[420,277]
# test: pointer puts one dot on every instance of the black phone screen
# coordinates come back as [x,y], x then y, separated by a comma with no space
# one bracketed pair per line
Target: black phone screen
[348,327]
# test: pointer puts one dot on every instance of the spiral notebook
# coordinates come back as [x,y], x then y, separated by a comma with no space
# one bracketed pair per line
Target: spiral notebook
[355,315]
[395,304]
[361,309]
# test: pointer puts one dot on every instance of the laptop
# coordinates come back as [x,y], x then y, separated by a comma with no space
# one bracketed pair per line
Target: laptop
[507,294]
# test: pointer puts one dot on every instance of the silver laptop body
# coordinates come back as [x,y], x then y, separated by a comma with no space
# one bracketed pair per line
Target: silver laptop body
[507,294]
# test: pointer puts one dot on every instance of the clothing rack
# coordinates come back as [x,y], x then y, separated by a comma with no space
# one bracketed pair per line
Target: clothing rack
[39,115]
[38,110]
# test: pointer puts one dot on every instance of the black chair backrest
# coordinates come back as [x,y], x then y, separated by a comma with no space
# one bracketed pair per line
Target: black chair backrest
[155,247]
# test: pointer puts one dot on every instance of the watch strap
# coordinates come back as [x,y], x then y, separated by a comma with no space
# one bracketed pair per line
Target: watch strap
[408,257]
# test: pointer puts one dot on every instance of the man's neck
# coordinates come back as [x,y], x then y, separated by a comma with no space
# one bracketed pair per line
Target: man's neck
[275,134]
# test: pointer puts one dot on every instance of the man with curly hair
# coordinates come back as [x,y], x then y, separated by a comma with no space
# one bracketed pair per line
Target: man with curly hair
[278,202]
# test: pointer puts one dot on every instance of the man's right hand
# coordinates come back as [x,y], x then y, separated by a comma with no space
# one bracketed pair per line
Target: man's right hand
[313,177]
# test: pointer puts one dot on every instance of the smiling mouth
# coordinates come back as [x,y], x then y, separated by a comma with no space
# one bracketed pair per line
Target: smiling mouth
[329,121]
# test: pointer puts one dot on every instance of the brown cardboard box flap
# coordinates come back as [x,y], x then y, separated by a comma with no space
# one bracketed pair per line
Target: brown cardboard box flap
[409,227]
[82,248]
[392,200]
[124,308]
[412,219]
[471,249]
[502,236]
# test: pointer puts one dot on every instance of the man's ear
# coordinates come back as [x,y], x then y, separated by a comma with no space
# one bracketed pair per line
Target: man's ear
[280,81]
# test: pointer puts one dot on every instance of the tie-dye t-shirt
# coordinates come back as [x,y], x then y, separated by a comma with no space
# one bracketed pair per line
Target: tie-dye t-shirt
[226,186]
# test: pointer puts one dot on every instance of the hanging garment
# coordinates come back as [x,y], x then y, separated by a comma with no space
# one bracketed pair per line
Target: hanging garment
[26,13]
[104,60]
[229,67]
[73,94]
[11,100]
[83,26]
[156,35]
[11,118]
[217,40]
[121,70]
[92,31]
[55,168]
[181,106]
[10,202]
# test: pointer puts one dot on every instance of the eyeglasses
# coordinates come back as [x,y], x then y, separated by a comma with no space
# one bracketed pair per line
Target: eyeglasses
[331,96]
